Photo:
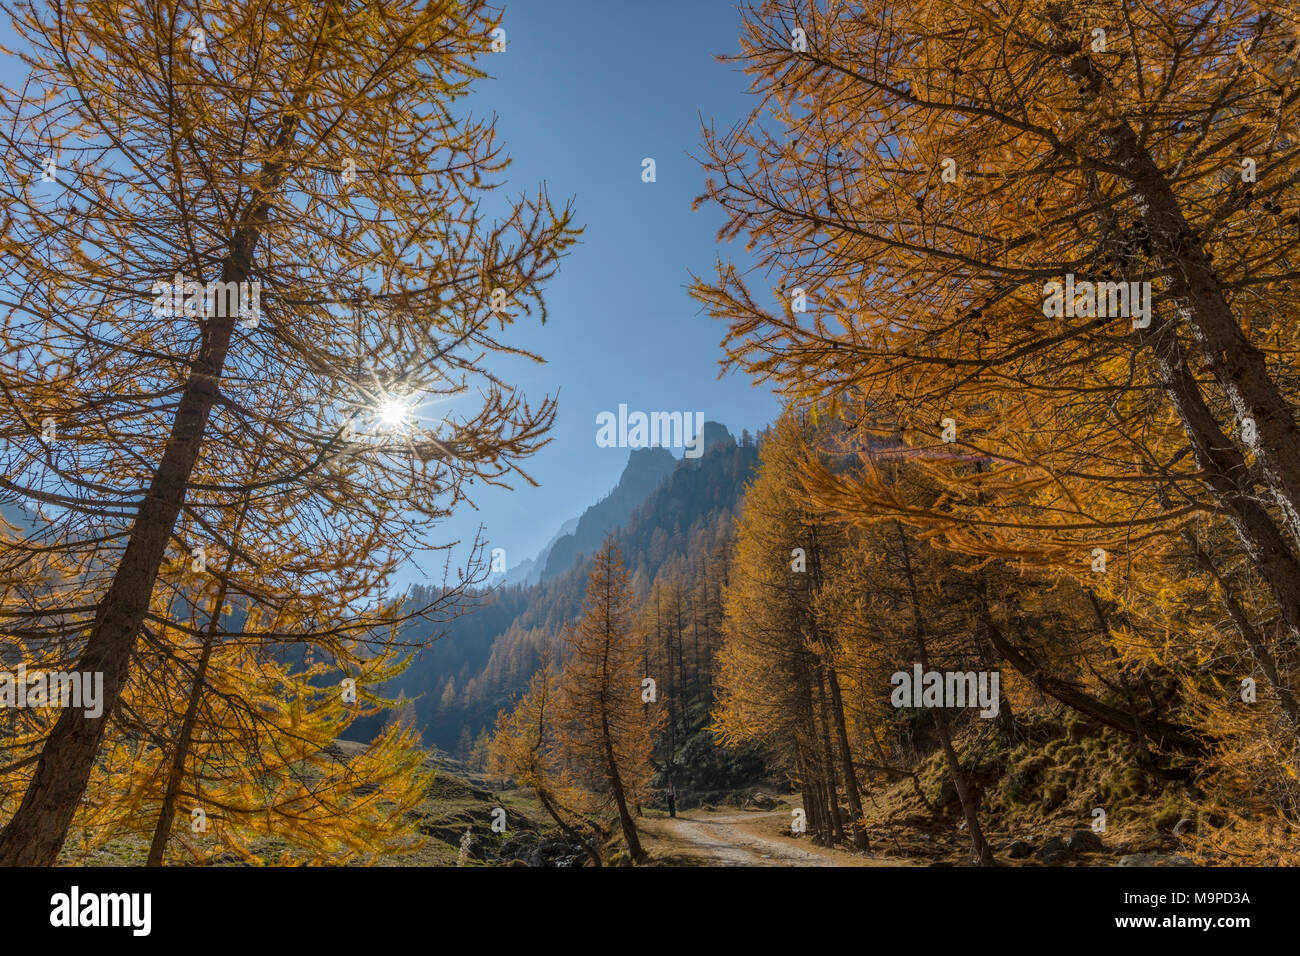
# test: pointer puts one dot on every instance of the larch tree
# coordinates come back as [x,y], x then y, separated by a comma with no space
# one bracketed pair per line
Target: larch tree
[777,680]
[605,735]
[523,747]
[211,205]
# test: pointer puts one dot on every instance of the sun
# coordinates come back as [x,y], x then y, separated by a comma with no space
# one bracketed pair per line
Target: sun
[392,415]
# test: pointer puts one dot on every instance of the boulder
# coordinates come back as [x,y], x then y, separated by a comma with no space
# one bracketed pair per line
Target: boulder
[1083,841]
[1019,849]
[1053,845]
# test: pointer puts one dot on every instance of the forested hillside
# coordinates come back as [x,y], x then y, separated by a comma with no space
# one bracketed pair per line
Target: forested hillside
[674,531]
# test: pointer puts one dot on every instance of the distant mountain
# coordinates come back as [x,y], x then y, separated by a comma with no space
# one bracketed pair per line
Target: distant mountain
[528,571]
[646,468]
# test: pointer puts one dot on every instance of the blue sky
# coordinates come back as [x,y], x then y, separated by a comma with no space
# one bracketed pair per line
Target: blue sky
[585,90]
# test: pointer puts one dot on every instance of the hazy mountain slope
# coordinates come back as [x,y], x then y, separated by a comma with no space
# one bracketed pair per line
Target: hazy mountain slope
[646,468]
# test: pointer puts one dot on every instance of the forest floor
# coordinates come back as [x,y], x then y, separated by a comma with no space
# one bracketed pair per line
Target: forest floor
[742,838]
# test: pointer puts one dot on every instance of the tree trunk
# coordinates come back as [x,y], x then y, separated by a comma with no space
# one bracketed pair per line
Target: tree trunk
[1238,366]
[851,790]
[573,834]
[828,761]
[960,781]
[620,798]
[176,775]
[1169,735]
[1254,639]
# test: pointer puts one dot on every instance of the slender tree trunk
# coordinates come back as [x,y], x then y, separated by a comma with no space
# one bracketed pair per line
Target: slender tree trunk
[176,775]
[838,722]
[620,797]
[662,647]
[814,801]
[185,737]
[960,781]
[828,761]
[860,840]
[811,802]
[544,799]
[811,756]
[681,660]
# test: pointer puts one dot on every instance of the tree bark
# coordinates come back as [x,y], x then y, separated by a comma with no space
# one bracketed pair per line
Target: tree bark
[573,834]
[828,761]
[860,840]
[620,797]
[176,774]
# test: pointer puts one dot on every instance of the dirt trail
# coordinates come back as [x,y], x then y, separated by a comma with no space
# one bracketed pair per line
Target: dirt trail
[742,839]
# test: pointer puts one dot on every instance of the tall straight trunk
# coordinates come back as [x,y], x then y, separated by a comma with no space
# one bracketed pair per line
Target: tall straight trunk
[838,722]
[960,781]
[695,651]
[681,661]
[828,761]
[662,646]
[860,840]
[807,789]
[35,834]
[807,707]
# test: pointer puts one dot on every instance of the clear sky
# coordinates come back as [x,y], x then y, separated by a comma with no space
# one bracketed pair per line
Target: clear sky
[585,90]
